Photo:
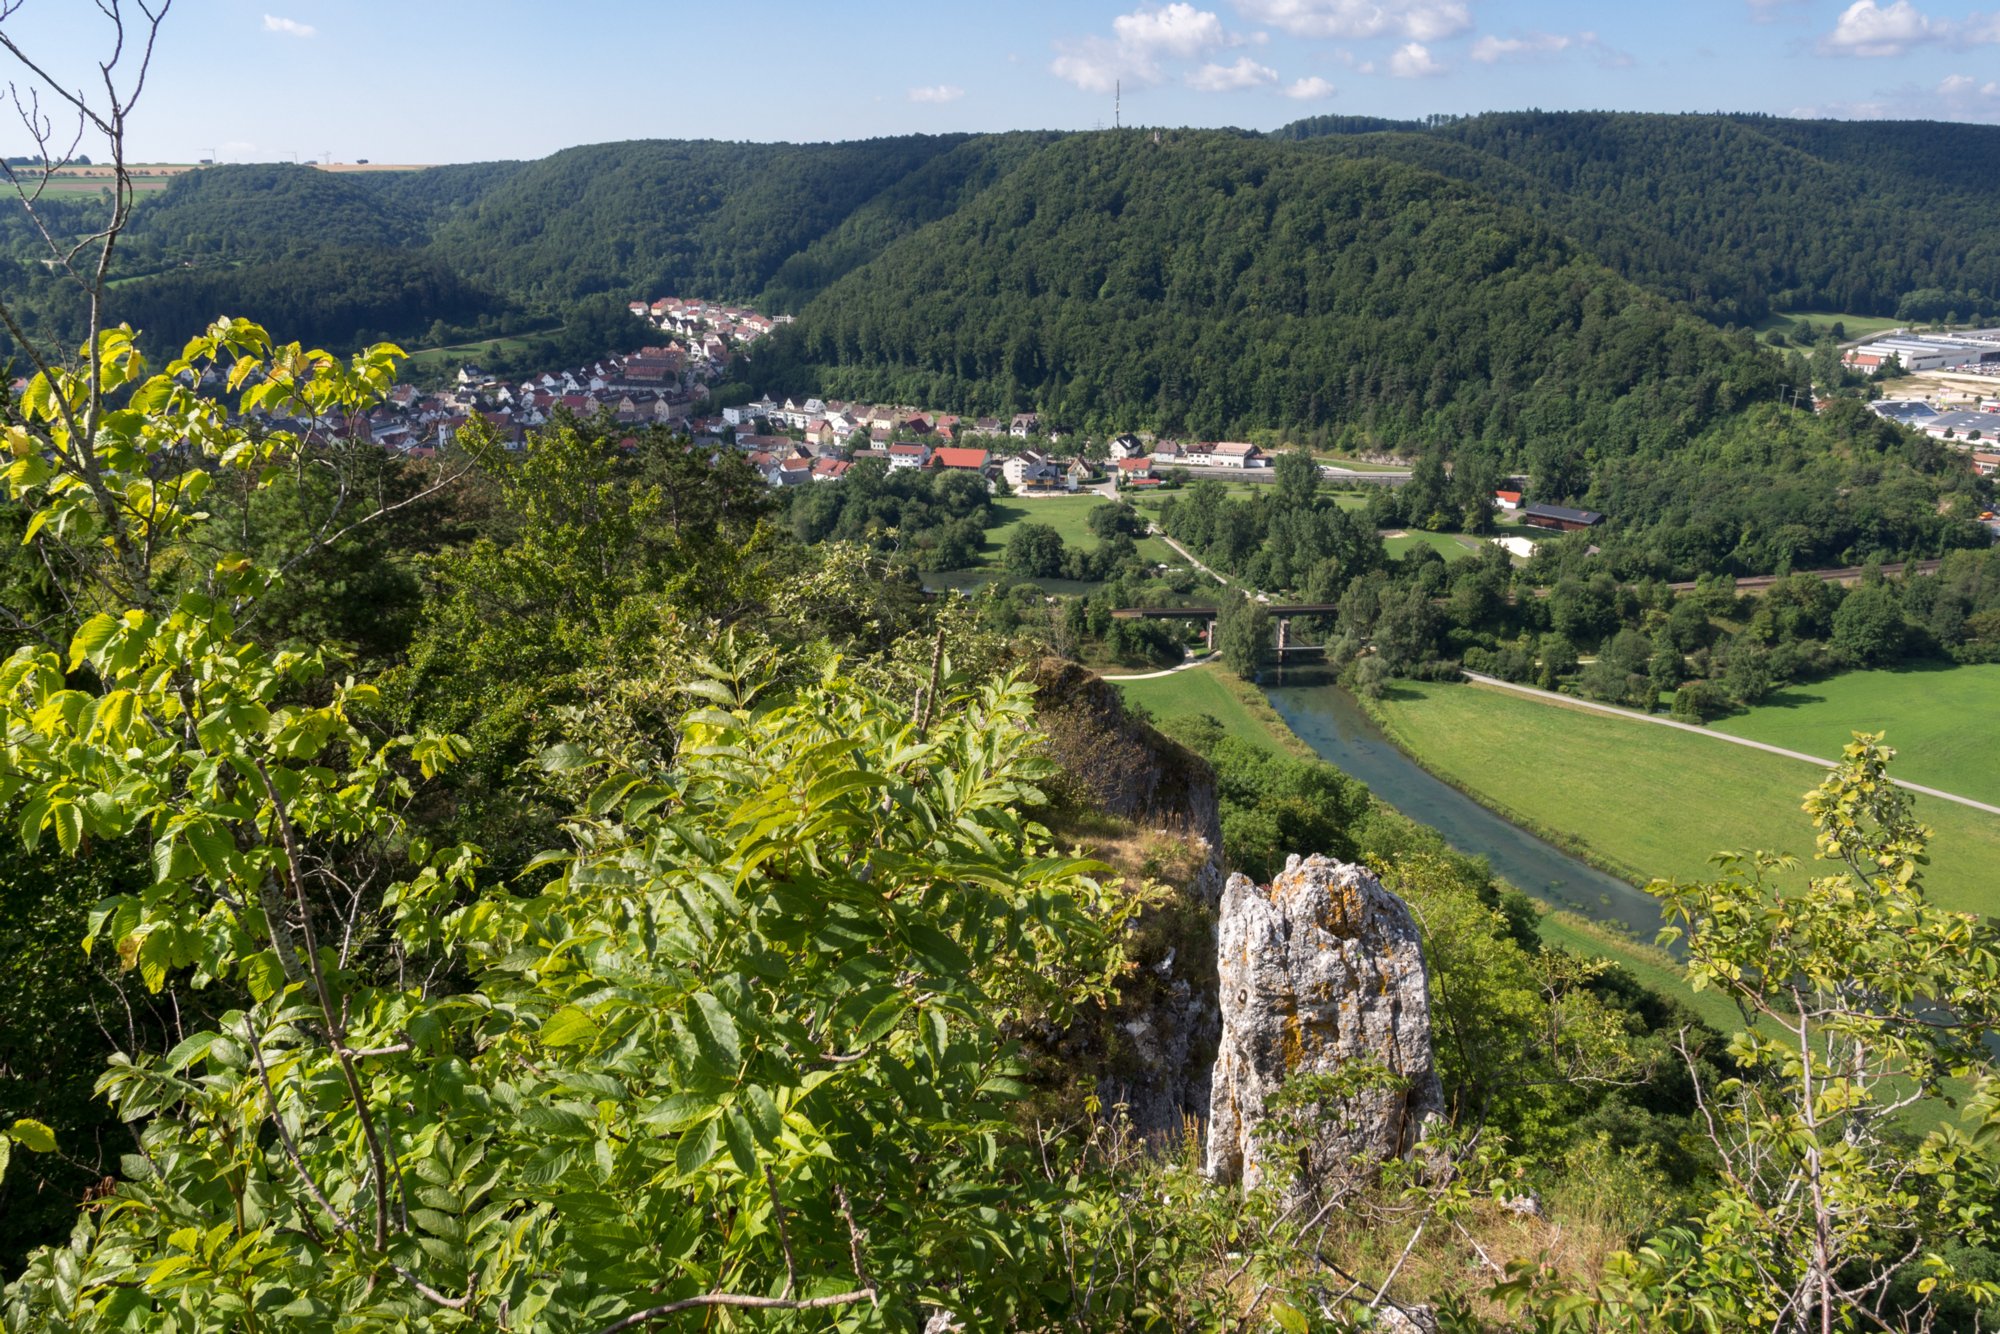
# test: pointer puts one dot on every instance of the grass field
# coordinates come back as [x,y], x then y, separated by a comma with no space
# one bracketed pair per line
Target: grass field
[1448,545]
[1649,801]
[463,352]
[1069,516]
[1943,722]
[1200,690]
[1855,326]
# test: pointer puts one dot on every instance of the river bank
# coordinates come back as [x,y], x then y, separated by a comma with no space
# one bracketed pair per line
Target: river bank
[1305,715]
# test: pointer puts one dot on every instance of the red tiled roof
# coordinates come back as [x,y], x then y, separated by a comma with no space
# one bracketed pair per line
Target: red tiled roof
[948,457]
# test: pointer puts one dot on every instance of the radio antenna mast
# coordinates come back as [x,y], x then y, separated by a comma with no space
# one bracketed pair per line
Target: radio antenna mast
[1117,104]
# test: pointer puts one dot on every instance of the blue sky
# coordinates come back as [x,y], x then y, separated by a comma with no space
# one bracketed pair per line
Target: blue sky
[445,81]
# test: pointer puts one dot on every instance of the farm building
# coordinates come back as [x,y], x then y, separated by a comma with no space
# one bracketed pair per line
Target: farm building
[1561,518]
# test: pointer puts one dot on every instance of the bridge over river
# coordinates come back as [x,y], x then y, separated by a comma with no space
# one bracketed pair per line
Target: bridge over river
[1281,612]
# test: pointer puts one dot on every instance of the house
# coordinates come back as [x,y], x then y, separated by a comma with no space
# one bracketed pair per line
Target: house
[908,456]
[1560,518]
[1236,455]
[959,460]
[1507,500]
[1167,453]
[1024,425]
[795,471]
[1075,475]
[1985,464]
[989,426]
[1127,446]
[1028,469]
[1135,470]
[829,469]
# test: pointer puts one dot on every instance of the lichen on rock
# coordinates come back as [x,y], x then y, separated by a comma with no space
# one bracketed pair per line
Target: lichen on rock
[1321,974]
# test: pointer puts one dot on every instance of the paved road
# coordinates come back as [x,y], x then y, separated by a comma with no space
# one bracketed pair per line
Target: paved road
[1636,716]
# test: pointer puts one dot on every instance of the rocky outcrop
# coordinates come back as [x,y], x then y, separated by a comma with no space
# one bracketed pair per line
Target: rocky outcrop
[1153,1048]
[1320,974]
[1114,763]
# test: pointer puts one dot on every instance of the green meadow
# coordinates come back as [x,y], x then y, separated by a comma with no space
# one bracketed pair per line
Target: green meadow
[1943,721]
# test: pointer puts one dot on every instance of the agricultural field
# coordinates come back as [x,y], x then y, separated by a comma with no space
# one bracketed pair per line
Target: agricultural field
[1650,801]
[1942,721]
[71,182]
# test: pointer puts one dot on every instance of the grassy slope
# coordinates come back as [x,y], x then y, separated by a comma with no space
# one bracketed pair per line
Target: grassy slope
[1942,722]
[1649,800]
[1202,690]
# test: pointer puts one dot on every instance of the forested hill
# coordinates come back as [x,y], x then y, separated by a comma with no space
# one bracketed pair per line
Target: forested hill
[1735,215]
[1210,284]
[1727,217]
[655,216]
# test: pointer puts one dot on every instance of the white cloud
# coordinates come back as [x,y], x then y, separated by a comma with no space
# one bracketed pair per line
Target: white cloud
[943,92]
[1096,65]
[1490,50]
[1963,97]
[1313,89]
[1177,29]
[1245,73]
[1140,41]
[1867,29]
[1414,61]
[1419,20]
[289,27]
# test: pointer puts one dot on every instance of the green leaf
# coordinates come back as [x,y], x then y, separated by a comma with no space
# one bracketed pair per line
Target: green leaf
[263,975]
[715,1032]
[33,1136]
[878,1021]
[763,1112]
[91,636]
[742,1144]
[697,1146]
[568,1027]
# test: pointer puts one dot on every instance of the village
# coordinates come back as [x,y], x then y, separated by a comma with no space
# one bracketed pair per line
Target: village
[790,443]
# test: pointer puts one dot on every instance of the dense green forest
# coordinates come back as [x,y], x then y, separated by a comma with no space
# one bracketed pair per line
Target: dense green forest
[1733,216]
[1209,283]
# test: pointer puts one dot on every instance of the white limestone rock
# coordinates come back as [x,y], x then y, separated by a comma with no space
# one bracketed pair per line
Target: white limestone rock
[1321,970]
